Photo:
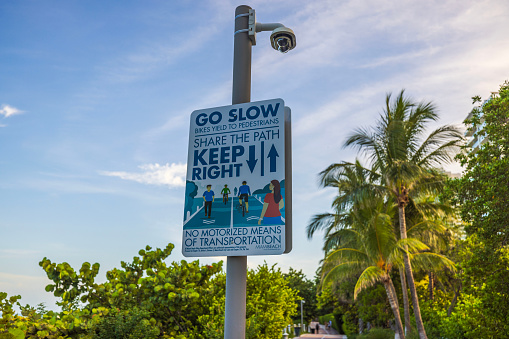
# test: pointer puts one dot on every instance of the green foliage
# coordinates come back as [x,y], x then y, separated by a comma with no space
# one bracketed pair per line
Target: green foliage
[403,172]
[37,323]
[133,324]
[172,294]
[149,298]
[270,305]
[350,320]
[270,300]
[306,290]
[377,333]
[482,196]
[467,320]
[373,307]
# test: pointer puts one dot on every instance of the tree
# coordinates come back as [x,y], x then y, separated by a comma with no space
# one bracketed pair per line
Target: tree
[483,193]
[371,247]
[270,305]
[173,295]
[306,290]
[149,298]
[427,215]
[402,162]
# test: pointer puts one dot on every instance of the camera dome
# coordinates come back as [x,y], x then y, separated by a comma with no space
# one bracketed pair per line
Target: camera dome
[283,39]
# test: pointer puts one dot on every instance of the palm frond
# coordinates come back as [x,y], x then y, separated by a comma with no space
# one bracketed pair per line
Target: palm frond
[320,222]
[411,245]
[368,278]
[337,273]
[432,261]
[441,136]
[341,238]
[427,226]
[347,254]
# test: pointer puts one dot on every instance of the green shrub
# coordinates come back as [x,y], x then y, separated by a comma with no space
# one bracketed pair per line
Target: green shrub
[124,324]
[379,333]
[374,333]
[350,322]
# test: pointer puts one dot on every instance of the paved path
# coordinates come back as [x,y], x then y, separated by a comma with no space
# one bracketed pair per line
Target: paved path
[325,334]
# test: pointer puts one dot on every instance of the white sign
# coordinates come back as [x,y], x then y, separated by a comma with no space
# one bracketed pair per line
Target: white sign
[235,187]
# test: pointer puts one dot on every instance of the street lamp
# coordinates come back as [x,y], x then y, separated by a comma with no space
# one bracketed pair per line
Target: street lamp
[301,313]
[283,40]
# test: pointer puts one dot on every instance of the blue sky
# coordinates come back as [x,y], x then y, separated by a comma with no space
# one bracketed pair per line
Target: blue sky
[95,99]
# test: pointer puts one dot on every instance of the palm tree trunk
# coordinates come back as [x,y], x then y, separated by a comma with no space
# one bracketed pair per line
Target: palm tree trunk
[453,302]
[406,305]
[430,284]
[410,276]
[393,301]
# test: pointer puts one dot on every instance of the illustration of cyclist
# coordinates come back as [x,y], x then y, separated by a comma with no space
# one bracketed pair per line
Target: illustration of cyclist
[244,193]
[225,191]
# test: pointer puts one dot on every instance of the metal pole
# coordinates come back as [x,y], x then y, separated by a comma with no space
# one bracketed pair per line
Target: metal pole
[301,314]
[236,267]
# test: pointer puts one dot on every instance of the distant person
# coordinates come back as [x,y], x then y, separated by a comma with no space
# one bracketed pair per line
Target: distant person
[272,203]
[312,327]
[244,193]
[317,327]
[208,197]
[235,191]
[225,191]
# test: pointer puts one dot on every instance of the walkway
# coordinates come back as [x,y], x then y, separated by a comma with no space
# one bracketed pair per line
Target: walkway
[324,334]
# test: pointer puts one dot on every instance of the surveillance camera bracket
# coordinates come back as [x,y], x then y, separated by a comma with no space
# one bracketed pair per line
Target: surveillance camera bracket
[255,27]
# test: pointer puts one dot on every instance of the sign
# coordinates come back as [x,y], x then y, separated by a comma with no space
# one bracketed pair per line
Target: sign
[235,188]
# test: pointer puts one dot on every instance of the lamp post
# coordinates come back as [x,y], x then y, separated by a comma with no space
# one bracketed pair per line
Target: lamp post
[283,40]
[301,313]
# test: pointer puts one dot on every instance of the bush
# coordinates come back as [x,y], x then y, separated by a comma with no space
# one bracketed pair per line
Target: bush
[350,321]
[132,324]
[379,333]
[149,298]
[374,333]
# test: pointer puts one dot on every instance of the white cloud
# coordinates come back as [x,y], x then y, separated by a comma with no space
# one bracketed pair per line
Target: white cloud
[11,253]
[7,111]
[172,175]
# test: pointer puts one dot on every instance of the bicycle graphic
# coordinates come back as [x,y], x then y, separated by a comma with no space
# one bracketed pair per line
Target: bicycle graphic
[242,208]
[225,191]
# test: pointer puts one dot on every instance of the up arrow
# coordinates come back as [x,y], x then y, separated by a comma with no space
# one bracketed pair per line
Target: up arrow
[251,162]
[272,155]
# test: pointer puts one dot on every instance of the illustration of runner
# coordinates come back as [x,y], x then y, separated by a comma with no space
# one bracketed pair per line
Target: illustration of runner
[208,197]
[225,191]
[244,193]
[272,204]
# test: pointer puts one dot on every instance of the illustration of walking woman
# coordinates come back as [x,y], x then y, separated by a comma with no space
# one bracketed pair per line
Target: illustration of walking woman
[273,202]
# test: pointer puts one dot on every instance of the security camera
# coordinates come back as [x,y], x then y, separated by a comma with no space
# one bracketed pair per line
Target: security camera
[283,39]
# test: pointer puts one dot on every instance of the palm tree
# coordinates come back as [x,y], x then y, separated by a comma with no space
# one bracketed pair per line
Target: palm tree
[355,184]
[371,245]
[403,162]
[428,220]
